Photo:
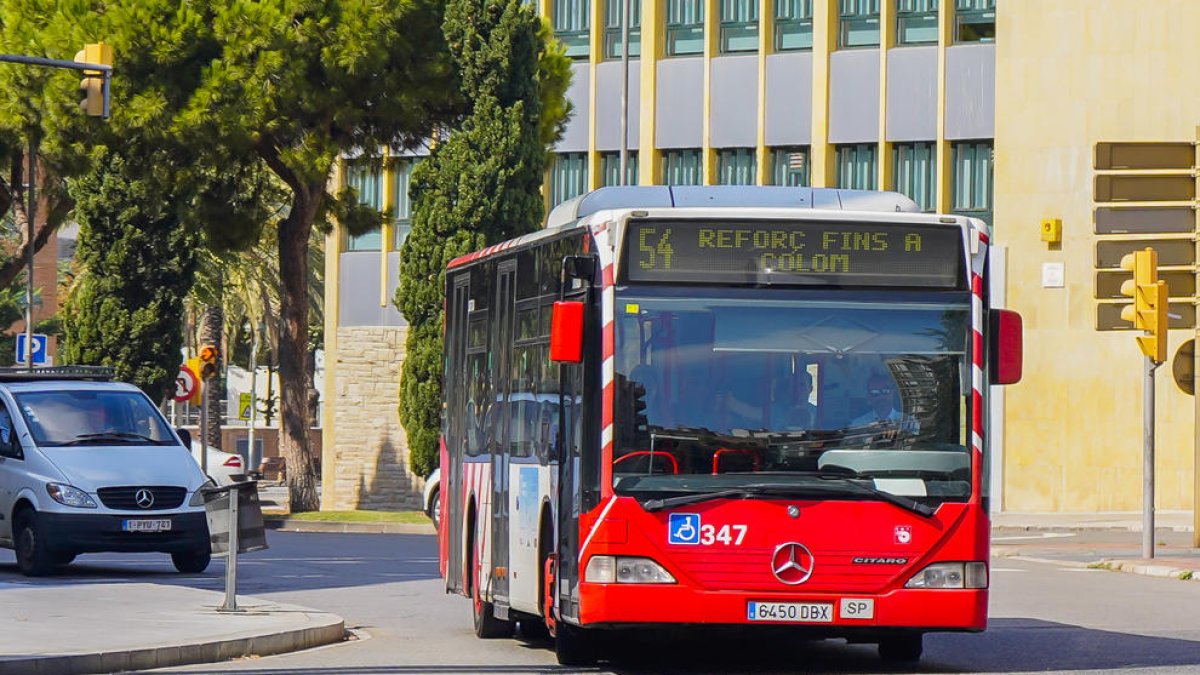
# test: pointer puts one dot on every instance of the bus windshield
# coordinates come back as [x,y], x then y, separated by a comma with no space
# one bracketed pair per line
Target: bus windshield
[718,389]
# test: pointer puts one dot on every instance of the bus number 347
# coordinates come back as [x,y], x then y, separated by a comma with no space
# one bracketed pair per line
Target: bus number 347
[729,535]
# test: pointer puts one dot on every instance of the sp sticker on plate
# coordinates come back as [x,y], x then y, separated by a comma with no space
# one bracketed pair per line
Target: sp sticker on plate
[683,528]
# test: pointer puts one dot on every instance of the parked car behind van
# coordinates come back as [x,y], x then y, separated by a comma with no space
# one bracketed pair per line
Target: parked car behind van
[433,497]
[90,465]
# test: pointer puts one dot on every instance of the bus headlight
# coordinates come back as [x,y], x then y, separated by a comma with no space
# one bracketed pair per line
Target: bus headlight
[611,569]
[951,575]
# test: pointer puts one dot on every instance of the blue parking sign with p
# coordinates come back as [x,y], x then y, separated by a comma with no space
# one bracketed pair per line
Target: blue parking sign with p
[40,343]
[683,528]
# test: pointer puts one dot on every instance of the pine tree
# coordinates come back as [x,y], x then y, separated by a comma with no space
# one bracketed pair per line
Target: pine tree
[481,186]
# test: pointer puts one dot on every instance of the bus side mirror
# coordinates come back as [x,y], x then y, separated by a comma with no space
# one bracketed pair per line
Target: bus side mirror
[566,332]
[1004,347]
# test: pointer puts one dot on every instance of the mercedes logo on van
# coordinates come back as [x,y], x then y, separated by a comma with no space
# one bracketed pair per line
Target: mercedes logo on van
[143,498]
[792,563]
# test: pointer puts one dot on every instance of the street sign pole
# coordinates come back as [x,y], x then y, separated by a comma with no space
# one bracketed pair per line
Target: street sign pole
[1148,461]
[30,217]
[204,426]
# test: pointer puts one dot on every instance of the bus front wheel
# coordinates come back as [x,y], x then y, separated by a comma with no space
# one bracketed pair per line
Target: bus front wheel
[901,648]
[574,646]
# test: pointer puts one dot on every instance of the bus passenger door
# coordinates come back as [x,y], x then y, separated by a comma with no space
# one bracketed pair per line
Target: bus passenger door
[454,435]
[502,429]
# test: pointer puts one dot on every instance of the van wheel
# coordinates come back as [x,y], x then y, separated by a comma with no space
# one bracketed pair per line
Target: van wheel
[901,649]
[191,562]
[32,557]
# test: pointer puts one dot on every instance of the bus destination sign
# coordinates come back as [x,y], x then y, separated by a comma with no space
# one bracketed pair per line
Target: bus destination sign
[794,252]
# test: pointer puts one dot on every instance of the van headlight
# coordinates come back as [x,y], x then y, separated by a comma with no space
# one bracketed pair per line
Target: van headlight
[611,569]
[69,495]
[951,575]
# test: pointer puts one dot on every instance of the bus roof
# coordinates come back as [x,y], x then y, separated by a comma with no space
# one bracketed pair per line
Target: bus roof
[746,196]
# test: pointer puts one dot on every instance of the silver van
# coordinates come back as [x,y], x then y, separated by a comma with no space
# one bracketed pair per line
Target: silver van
[90,465]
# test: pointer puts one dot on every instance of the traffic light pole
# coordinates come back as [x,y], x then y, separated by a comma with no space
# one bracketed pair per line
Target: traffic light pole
[1148,461]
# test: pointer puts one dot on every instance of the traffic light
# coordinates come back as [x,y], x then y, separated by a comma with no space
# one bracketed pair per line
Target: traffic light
[93,86]
[1149,309]
[208,362]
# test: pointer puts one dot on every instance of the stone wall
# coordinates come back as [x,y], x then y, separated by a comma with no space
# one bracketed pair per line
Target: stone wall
[369,450]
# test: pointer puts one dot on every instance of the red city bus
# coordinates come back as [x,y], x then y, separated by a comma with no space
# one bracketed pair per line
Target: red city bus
[723,406]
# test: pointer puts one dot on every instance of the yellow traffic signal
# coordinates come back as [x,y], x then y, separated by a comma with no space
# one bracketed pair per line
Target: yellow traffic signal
[1149,309]
[208,362]
[91,87]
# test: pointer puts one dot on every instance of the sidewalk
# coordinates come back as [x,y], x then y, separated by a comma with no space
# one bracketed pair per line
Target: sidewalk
[1100,540]
[106,627]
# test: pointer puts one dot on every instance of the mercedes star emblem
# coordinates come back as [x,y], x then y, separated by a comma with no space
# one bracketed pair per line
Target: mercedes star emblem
[144,498]
[792,563]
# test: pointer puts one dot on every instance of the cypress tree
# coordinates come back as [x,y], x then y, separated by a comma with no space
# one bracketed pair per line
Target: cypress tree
[479,187]
[138,260]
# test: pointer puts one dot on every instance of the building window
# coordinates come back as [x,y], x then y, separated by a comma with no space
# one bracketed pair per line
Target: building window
[793,25]
[975,21]
[739,26]
[736,166]
[685,27]
[571,26]
[365,177]
[610,168]
[858,23]
[916,22]
[568,177]
[856,166]
[789,166]
[682,167]
[402,212]
[972,179]
[914,166]
[612,28]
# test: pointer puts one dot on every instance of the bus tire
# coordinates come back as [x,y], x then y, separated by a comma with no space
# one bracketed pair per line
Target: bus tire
[483,614]
[901,648]
[574,646]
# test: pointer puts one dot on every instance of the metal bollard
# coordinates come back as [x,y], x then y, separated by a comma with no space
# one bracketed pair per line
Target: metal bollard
[231,557]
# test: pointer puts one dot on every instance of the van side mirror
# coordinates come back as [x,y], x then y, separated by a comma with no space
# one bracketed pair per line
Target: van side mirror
[12,448]
[185,437]
[1005,346]
[566,332]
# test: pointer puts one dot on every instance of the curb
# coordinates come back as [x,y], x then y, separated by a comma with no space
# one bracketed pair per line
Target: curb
[178,655]
[295,525]
[1163,571]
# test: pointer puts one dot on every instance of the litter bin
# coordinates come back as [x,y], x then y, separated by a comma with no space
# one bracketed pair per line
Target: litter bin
[251,534]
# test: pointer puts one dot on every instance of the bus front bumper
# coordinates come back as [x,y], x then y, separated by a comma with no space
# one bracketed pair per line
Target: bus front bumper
[830,613]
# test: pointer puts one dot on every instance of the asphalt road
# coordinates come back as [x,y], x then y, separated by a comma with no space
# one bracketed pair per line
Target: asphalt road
[1044,618]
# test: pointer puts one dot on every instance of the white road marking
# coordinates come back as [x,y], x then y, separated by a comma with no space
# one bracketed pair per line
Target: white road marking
[1040,535]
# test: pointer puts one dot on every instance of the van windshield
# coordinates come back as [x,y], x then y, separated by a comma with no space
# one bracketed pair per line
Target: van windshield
[93,418]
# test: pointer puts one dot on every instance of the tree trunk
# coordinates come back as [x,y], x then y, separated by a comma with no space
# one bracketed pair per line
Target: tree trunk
[212,323]
[294,417]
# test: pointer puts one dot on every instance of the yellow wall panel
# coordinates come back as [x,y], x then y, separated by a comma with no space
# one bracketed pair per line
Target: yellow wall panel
[1069,74]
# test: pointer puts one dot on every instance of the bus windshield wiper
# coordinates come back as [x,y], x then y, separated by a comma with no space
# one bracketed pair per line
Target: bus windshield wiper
[744,492]
[783,490]
[891,498]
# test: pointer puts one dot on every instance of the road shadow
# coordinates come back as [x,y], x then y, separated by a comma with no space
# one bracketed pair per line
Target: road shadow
[293,562]
[1008,646]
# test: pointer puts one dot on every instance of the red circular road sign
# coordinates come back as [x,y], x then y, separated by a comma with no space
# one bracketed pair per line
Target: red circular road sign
[186,384]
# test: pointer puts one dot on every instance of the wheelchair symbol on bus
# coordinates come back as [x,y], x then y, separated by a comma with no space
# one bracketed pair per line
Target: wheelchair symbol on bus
[683,528]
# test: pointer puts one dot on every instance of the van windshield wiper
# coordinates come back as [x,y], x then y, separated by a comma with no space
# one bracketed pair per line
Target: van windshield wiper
[786,490]
[109,436]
